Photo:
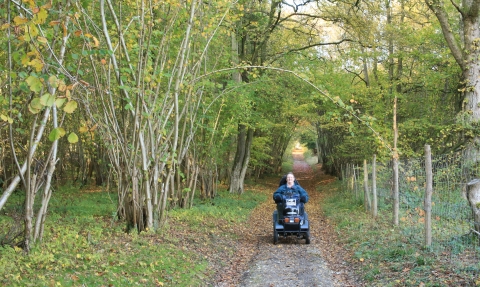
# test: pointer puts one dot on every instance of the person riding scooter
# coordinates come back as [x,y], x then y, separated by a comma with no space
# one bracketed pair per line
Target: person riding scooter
[291,186]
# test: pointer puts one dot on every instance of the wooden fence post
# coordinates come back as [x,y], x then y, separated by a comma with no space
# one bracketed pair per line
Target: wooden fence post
[428,196]
[355,183]
[366,198]
[396,195]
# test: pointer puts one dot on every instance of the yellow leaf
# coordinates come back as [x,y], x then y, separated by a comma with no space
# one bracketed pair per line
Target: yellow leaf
[37,64]
[31,3]
[361,259]
[5,26]
[42,39]
[61,86]
[20,20]
[4,118]
[41,16]
[83,129]
[32,30]
[96,42]
[79,256]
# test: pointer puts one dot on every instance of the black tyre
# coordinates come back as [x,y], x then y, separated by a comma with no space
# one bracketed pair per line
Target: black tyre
[307,238]
[275,232]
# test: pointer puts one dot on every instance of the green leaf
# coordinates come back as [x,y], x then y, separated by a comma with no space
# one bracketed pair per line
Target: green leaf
[35,106]
[59,102]
[56,133]
[72,138]
[70,107]
[34,83]
[6,119]
[53,81]
[47,100]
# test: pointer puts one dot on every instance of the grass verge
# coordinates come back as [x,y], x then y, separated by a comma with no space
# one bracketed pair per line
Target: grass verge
[386,255]
[85,245]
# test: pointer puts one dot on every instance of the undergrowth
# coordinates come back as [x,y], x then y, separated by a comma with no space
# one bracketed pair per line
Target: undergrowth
[388,255]
[85,245]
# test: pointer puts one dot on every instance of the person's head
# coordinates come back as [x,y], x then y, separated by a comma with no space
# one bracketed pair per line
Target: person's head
[290,178]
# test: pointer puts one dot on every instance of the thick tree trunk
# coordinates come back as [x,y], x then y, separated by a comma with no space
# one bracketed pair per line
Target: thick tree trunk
[242,157]
[473,193]
[466,55]
[471,76]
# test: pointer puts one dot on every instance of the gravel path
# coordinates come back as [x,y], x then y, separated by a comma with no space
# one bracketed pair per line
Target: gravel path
[291,262]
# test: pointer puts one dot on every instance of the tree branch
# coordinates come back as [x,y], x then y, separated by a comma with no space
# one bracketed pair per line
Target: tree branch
[442,16]
[310,46]
[457,7]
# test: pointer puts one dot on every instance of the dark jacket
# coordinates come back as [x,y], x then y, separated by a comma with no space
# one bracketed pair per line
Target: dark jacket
[283,189]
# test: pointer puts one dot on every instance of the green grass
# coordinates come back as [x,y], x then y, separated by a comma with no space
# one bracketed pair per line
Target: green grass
[231,207]
[387,255]
[85,245]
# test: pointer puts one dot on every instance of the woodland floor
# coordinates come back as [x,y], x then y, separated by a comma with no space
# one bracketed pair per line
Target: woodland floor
[258,262]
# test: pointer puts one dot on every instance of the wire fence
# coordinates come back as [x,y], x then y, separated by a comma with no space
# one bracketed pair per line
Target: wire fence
[453,230]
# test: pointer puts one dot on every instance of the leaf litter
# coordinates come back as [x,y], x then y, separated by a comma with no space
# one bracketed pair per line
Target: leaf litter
[258,262]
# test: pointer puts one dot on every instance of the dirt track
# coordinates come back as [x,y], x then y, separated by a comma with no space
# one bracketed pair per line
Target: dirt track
[291,262]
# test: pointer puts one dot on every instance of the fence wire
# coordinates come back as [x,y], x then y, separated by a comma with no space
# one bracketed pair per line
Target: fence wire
[453,234]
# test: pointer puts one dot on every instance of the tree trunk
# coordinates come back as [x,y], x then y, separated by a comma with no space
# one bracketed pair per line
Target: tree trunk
[473,193]
[242,157]
[466,55]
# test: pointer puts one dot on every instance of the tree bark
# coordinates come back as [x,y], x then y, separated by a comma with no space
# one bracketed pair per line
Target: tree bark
[473,193]
[242,157]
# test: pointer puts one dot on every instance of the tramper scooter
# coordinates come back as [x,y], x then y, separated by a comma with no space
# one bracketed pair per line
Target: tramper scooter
[290,219]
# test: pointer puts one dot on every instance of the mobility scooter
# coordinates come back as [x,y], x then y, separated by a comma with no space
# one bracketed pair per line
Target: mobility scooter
[290,219]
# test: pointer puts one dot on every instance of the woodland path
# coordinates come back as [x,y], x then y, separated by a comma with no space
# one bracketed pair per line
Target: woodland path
[258,262]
